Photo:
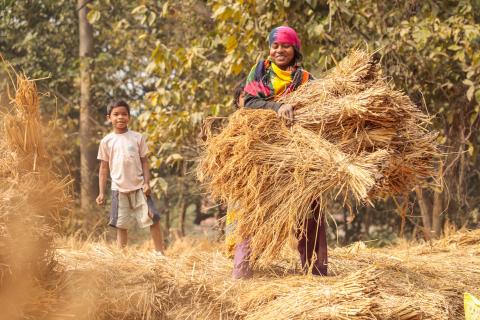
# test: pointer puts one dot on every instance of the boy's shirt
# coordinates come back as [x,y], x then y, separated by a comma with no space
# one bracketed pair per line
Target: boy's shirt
[123,152]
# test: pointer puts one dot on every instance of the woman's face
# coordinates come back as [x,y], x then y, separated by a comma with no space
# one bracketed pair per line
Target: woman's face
[282,54]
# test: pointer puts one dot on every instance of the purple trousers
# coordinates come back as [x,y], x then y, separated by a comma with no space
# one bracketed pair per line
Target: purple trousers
[312,246]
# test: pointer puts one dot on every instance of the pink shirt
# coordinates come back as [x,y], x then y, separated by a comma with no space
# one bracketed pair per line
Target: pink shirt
[123,152]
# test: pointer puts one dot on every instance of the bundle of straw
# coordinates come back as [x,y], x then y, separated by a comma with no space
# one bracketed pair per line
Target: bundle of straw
[22,128]
[32,200]
[354,138]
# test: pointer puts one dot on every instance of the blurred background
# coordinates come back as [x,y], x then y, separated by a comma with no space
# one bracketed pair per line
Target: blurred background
[177,63]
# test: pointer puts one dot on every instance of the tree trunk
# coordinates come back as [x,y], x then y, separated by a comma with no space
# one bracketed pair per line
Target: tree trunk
[182,211]
[167,214]
[346,226]
[438,208]
[88,187]
[367,221]
[182,200]
[436,213]
[425,212]
[402,212]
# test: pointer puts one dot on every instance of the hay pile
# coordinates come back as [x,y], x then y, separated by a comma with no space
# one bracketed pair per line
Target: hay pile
[354,138]
[32,199]
[423,281]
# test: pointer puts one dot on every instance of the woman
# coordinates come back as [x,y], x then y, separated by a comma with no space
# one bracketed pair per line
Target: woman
[278,75]
[270,79]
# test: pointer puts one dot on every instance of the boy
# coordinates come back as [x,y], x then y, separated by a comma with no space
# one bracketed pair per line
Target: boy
[124,153]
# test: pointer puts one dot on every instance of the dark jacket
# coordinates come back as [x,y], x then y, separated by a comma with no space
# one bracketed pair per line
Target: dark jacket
[254,102]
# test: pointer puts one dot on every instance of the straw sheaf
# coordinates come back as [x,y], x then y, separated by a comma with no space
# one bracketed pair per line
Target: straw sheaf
[22,128]
[354,138]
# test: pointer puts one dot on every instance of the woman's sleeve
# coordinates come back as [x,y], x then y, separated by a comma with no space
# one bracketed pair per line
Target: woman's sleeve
[253,84]
[255,102]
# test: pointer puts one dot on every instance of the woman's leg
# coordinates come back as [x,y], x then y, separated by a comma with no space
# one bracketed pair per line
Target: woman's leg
[241,261]
[312,244]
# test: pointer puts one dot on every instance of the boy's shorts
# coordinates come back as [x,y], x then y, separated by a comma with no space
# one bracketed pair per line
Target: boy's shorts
[131,207]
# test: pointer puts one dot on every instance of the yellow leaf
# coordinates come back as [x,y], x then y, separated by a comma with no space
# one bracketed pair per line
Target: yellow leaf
[151,18]
[231,44]
[219,12]
[140,9]
[153,98]
[165,9]
[470,149]
[174,158]
[236,68]
[93,16]
[470,92]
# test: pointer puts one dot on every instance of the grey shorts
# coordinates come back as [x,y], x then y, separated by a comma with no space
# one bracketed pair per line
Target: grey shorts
[132,208]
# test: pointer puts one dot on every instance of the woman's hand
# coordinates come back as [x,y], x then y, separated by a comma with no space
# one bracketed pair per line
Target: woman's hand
[286,113]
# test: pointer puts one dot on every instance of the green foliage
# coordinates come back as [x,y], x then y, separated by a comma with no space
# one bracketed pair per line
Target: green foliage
[40,38]
[429,49]
[178,63]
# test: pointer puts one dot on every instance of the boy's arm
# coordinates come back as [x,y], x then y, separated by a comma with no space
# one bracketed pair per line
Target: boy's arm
[102,181]
[146,176]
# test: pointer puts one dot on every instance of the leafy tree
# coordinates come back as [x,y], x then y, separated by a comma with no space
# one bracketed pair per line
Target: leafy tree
[429,49]
[178,62]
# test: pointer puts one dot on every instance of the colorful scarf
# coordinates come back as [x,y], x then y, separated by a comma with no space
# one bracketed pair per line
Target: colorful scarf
[267,81]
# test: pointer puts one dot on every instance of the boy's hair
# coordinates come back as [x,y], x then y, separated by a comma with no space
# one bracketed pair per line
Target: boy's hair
[116,104]
[238,91]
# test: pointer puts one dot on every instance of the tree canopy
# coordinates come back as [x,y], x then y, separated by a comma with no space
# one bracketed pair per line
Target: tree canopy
[179,62]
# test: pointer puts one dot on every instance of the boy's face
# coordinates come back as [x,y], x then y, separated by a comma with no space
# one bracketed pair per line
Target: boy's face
[119,118]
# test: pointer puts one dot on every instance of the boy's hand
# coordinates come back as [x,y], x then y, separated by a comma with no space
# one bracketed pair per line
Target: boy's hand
[146,189]
[100,199]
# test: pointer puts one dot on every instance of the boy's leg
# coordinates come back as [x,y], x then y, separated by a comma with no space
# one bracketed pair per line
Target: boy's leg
[122,237]
[241,261]
[120,217]
[157,236]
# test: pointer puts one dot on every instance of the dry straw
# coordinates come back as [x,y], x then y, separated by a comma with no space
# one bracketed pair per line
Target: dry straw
[32,200]
[22,128]
[194,282]
[354,138]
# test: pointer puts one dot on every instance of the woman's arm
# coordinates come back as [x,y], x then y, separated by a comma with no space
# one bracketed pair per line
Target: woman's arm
[283,110]
[254,102]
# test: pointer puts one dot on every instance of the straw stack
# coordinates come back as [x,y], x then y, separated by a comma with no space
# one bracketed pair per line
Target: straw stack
[32,199]
[403,282]
[354,139]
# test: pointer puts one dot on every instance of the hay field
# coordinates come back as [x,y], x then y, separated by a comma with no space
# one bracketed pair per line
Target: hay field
[46,276]
[407,281]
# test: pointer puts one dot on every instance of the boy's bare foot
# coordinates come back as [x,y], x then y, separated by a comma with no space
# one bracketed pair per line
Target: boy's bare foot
[159,255]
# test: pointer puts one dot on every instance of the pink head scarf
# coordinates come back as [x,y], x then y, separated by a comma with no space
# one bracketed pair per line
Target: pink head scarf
[284,34]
